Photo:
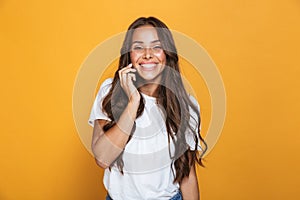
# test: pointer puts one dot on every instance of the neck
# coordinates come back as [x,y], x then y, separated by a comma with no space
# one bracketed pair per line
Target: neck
[149,89]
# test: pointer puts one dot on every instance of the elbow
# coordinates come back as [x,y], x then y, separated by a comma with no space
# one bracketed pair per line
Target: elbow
[101,164]
[98,159]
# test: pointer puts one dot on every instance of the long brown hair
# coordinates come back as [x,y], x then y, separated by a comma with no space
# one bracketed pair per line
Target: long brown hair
[172,97]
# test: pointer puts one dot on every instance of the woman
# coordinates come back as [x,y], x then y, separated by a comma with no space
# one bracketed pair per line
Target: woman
[146,127]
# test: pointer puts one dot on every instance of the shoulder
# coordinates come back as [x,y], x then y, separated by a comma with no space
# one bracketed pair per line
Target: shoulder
[194,101]
[105,87]
[106,83]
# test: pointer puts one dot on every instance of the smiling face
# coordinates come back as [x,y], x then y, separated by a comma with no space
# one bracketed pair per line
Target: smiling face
[146,54]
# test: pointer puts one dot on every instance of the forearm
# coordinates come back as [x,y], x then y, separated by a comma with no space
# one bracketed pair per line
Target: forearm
[189,186]
[108,146]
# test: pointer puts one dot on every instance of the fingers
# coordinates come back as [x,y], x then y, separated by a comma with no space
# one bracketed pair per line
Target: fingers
[131,77]
[127,69]
[123,72]
[127,76]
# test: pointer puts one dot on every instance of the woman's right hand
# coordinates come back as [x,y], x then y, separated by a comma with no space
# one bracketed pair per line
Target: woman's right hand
[127,76]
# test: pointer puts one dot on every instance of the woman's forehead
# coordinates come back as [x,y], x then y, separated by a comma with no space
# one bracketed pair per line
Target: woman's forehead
[145,34]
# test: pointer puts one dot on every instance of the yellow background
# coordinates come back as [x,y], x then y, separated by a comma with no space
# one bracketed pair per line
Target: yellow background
[255,45]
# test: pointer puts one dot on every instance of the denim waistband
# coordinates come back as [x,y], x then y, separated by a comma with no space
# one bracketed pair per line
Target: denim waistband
[177,196]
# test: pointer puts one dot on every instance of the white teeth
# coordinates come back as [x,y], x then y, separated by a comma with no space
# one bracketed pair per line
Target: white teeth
[148,65]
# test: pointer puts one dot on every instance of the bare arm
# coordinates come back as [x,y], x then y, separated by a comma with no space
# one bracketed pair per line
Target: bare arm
[107,146]
[189,186]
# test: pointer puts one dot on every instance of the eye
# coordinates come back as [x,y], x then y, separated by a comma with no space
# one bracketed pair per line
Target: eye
[138,48]
[157,47]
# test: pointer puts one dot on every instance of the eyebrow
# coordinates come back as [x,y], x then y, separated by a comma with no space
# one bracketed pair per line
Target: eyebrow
[141,42]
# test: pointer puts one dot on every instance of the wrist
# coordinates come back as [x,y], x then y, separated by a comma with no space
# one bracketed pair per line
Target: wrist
[133,105]
[134,99]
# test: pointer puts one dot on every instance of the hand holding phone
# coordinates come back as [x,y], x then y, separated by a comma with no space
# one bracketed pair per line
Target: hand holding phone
[127,78]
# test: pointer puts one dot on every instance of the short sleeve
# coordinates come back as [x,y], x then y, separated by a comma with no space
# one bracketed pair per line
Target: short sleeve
[97,112]
[194,121]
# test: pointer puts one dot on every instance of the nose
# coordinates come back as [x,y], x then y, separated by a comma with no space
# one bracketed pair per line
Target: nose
[147,53]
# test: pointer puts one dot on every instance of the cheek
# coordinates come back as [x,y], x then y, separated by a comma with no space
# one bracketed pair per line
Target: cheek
[133,58]
[162,57]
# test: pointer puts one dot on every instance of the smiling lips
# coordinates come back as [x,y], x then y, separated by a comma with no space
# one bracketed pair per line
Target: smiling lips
[148,66]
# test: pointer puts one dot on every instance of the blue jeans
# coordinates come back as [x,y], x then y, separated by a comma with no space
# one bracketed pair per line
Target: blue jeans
[177,196]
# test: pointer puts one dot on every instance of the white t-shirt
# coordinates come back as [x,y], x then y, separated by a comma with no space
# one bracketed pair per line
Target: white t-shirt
[147,162]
